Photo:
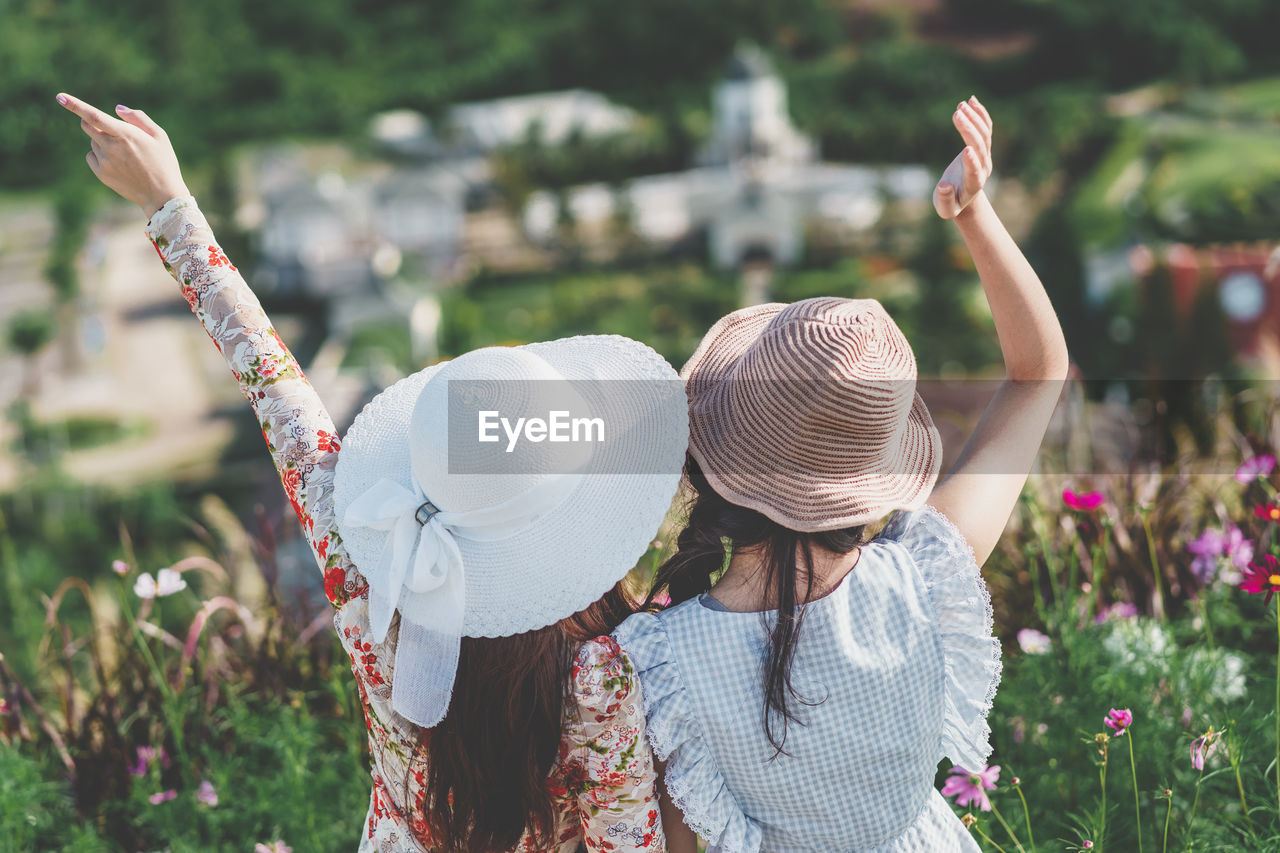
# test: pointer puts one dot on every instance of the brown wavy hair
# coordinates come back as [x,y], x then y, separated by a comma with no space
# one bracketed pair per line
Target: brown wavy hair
[489,759]
[715,524]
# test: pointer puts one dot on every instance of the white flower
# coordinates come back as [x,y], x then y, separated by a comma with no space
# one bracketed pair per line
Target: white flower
[145,586]
[1139,645]
[1218,672]
[166,582]
[1033,642]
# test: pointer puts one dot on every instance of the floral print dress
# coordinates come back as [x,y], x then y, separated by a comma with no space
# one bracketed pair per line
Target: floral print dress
[603,780]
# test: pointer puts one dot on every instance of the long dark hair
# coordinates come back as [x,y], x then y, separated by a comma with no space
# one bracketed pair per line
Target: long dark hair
[700,555]
[487,762]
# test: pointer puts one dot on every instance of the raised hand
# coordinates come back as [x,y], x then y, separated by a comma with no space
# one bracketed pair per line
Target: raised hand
[964,178]
[130,154]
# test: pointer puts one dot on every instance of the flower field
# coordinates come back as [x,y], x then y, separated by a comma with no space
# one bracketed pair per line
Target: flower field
[1139,704]
[186,693]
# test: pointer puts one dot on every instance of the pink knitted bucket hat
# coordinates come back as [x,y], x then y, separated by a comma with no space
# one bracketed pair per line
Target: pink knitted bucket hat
[808,413]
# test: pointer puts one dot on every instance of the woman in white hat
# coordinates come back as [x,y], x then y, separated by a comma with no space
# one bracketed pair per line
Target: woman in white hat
[803,702]
[474,582]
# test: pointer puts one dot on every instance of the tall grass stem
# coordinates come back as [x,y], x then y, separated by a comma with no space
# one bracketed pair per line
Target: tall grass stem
[1133,768]
[1031,838]
[1191,818]
[1143,512]
[1016,843]
[1164,845]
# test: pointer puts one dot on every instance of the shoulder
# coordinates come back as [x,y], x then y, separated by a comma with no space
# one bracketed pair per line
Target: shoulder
[931,539]
[603,676]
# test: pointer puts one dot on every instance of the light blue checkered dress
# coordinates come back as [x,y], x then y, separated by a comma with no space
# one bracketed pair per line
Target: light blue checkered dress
[901,660]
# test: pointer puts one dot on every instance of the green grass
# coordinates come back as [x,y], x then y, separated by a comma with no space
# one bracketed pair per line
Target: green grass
[1258,99]
[667,307]
[81,432]
[1201,172]
[1225,183]
[279,772]
[385,341]
[1098,207]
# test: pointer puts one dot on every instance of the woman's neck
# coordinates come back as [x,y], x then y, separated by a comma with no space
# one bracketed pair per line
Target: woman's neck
[742,586]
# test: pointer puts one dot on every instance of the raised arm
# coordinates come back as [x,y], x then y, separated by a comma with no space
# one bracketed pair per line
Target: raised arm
[133,157]
[980,492]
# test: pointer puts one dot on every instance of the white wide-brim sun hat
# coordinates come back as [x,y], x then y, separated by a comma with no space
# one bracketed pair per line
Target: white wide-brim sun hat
[556,563]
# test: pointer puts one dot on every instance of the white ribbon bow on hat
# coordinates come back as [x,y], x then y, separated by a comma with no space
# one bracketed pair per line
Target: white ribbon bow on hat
[421,572]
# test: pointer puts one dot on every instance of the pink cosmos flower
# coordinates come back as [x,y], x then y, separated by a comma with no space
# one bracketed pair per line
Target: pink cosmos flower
[146,755]
[1119,610]
[1119,721]
[1203,748]
[1258,466]
[120,567]
[162,797]
[1267,512]
[1237,549]
[206,794]
[1083,501]
[273,847]
[1262,577]
[1214,544]
[1034,642]
[971,788]
[1088,845]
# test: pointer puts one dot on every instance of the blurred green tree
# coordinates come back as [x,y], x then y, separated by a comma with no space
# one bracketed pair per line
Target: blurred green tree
[28,333]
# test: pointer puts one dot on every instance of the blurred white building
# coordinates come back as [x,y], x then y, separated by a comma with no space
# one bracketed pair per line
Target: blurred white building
[326,235]
[758,183]
[751,119]
[551,118]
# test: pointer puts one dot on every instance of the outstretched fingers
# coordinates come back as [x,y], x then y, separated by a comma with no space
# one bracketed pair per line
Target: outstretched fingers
[975,172]
[982,114]
[140,120]
[969,131]
[977,121]
[91,115]
[92,131]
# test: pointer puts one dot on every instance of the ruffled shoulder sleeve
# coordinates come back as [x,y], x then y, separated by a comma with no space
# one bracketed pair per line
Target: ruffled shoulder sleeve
[607,767]
[962,611]
[692,777]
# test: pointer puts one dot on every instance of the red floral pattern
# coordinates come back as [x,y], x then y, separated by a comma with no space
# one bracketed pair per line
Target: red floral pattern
[603,780]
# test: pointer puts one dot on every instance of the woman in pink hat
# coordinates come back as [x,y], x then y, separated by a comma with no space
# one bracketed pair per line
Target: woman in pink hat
[802,701]
[476,604]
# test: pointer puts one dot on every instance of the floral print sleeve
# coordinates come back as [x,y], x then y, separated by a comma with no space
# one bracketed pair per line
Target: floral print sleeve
[304,446]
[299,433]
[607,767]
[604,780]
